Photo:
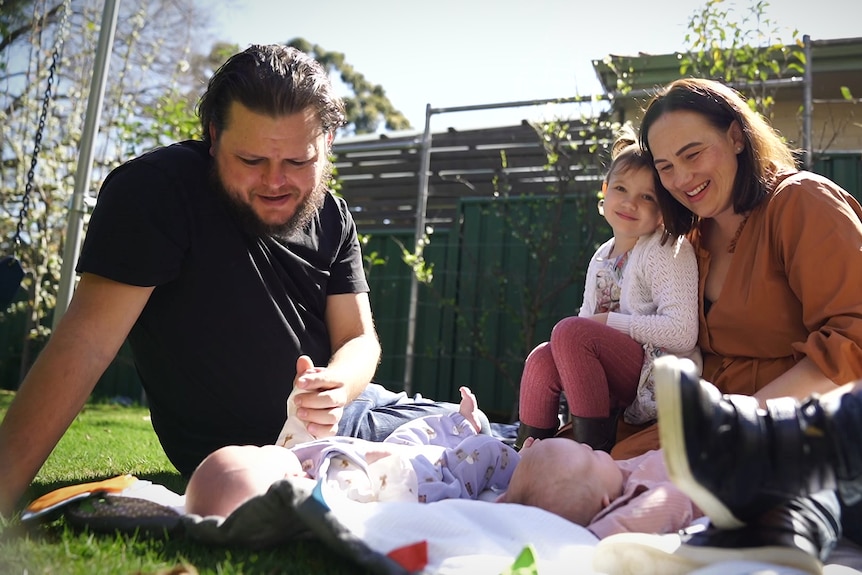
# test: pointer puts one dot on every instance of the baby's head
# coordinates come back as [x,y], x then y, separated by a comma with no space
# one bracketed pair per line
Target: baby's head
[565,477]
[232,475]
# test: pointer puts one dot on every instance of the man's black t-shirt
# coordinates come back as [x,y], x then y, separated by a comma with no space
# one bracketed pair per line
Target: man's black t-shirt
[217,343]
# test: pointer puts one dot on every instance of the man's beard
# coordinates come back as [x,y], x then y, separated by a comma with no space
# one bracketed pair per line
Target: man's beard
[254,225]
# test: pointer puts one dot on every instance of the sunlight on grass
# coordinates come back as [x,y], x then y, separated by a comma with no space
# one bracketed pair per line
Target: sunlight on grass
[5,399]
[107,440]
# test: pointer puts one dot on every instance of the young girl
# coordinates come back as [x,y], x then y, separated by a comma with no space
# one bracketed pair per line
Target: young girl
[640,301]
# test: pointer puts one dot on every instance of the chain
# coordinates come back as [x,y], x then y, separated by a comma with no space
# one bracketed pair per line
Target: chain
[37,144]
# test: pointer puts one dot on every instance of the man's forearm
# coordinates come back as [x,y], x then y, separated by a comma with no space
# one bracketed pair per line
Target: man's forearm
[355,363]
[47,402]
[51,396]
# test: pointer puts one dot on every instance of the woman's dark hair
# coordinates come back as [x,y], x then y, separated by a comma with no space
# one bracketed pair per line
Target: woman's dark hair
[765,153]
[270,79]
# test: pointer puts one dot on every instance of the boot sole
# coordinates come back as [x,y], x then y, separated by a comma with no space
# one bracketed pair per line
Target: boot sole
[671,430]
[646,554]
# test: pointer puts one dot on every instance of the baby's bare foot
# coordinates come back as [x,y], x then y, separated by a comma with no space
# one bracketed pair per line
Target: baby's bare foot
[469,408]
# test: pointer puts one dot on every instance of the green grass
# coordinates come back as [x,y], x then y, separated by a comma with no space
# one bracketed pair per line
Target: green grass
[108,440]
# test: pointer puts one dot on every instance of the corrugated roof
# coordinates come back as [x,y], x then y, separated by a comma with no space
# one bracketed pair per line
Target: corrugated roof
[834,62]
[380,175]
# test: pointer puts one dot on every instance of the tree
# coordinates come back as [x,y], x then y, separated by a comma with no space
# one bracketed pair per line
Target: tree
[749,50]
[515,257]
[152,48]
[557,232]
[154,82]
[368,109]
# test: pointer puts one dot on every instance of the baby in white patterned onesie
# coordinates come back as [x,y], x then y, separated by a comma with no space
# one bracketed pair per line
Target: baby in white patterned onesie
[428,459]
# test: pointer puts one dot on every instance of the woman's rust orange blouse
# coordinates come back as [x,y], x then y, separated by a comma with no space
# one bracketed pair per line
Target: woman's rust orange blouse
[793,289]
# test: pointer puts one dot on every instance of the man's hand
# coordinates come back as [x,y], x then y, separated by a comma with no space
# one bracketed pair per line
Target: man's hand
[321,400]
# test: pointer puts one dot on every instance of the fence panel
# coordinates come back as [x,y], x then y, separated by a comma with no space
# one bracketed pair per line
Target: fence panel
[844,169]
[390,294]
[491,300]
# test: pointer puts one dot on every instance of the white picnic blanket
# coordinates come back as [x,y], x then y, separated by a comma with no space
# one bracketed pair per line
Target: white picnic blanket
[449,537]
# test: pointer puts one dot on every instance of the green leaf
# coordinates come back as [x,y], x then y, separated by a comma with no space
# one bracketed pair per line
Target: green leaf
[525,563]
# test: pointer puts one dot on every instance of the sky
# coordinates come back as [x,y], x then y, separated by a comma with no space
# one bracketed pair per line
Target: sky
[455,53]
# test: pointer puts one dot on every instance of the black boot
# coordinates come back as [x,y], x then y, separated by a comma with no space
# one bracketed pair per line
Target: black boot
[800,534]
[597,432]
[737,460]
[525,431]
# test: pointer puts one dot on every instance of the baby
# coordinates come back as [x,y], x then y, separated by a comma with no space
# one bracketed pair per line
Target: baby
[564,477]
[588,487]
[443,457]
[431,458]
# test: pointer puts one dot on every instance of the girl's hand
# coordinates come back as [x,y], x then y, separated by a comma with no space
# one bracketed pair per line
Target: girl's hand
[601,318]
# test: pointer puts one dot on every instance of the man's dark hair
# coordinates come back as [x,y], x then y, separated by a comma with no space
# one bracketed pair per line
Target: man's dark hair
[271,79]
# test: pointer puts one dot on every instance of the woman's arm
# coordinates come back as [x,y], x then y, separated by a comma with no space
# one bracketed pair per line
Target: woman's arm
[801,380]
[816,228]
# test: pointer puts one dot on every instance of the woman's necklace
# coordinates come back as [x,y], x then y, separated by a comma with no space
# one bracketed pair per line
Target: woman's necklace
[731,247]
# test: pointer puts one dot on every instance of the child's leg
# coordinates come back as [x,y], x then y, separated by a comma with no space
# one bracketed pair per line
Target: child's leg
[599,367]
[230,476]
[539,396]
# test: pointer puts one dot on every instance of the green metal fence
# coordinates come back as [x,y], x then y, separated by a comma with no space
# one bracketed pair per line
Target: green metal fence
[500,281]
[495,294]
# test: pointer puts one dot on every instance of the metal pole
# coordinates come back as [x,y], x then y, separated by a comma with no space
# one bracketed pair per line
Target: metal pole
[807,104]
[421,205]
[75,224]
[424,173]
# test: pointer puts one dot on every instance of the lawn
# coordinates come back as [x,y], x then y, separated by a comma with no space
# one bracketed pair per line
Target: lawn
[107,440]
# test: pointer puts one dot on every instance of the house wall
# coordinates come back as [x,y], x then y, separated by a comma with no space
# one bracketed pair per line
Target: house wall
[835,66]
[836,126]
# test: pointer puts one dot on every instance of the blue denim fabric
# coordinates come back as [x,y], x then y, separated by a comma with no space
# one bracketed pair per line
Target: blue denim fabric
[377,412]
[846,429]
[851,521]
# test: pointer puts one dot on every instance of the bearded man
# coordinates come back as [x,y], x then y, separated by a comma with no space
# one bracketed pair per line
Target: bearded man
[236,277]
